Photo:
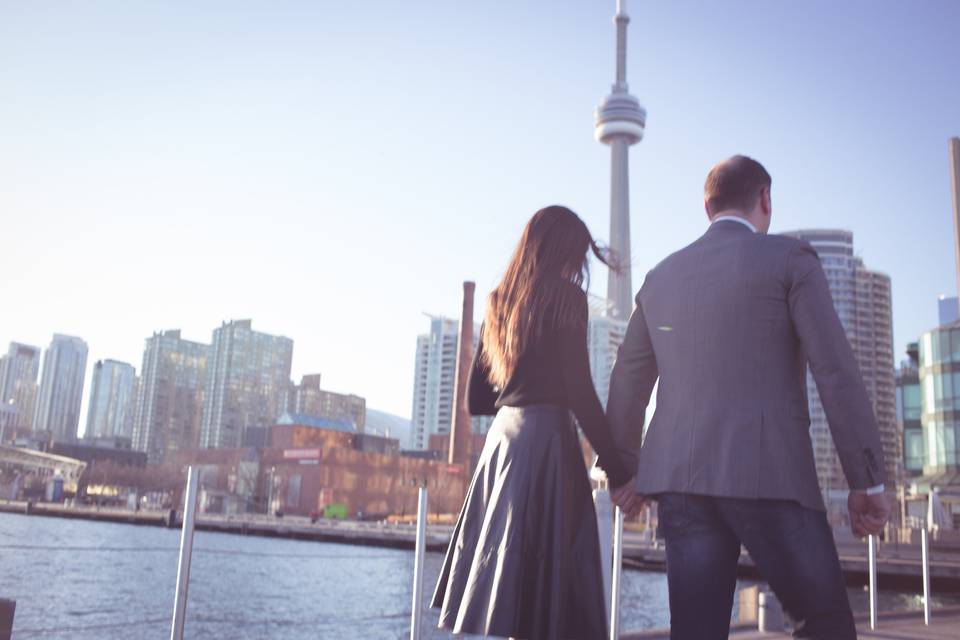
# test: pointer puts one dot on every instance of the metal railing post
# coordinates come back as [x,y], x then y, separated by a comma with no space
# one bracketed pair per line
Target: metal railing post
[872,561]
[604,509]
[769,613]
[186,553]
[415,614]
[925,559]
[616,574]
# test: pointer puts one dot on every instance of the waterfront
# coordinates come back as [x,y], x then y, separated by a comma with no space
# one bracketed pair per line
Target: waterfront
[83,579]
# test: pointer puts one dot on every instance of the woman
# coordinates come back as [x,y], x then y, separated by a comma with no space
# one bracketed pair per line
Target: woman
[524,560]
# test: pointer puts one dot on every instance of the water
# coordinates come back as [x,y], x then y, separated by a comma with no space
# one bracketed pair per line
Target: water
[241,587]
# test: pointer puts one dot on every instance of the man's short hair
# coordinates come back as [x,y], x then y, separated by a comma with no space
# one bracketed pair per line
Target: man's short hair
[735,183]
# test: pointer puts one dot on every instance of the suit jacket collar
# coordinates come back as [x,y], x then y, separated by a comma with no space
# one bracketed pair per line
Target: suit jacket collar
[728,226]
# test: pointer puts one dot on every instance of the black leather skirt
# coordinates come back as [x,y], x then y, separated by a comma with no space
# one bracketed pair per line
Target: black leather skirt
[524,559]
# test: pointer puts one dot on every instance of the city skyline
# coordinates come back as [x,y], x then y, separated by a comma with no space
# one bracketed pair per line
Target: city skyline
[214,164]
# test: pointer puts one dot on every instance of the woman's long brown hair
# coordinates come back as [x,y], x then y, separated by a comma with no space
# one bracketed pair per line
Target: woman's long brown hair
[535,292]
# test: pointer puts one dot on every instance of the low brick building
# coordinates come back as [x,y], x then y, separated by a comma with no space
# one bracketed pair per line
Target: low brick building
[310,468]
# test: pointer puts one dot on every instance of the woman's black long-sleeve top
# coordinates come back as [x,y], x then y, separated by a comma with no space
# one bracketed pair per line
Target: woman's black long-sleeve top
[554,371]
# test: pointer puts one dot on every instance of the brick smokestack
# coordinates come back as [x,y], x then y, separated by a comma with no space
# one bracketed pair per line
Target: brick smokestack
[460,430]
[955,191]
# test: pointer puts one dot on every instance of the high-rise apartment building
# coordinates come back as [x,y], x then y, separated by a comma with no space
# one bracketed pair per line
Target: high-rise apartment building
[604,336]
[113,401]
[57,410]
[248,373]
[910,410]
[308,398]
[433,384]
[862,300]
[18,385]
[170,396]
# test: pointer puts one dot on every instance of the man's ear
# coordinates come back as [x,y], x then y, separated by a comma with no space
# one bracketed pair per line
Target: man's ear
[706,209]
[765,204]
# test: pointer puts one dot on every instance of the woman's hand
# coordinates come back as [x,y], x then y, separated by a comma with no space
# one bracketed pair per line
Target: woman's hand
[627,498]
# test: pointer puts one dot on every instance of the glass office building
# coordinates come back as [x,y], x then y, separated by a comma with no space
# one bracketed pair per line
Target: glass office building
[940,396]
[909,411]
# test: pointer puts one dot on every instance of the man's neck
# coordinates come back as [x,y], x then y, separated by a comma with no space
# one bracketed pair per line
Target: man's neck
[736,216]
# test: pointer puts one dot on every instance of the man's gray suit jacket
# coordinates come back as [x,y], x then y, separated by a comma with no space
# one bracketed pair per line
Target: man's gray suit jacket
[728,325]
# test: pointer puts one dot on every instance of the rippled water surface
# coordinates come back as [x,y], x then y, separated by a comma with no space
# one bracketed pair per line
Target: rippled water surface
[241,587]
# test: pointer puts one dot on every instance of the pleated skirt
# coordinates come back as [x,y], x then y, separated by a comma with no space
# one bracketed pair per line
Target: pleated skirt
[524,559]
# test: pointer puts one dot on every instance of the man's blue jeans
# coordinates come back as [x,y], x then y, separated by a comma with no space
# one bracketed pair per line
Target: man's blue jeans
[791,546]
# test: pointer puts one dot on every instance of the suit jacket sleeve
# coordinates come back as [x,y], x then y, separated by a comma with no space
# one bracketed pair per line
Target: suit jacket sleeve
[631,383]
[853,424]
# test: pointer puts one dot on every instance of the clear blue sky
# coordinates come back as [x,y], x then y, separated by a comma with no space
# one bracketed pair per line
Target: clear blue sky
[333,169]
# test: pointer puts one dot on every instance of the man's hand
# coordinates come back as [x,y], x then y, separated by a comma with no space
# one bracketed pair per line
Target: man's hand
[627,498]
[868,514]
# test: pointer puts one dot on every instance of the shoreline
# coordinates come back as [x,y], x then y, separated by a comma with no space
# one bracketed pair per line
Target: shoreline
[897,571]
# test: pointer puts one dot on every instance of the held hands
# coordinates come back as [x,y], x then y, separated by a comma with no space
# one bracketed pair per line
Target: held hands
[868,514]
[627,498]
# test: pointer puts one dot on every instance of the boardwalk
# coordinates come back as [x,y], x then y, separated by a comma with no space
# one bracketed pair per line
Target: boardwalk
[944,625]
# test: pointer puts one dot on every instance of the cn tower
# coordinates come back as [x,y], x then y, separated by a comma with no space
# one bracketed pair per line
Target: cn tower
[619,123]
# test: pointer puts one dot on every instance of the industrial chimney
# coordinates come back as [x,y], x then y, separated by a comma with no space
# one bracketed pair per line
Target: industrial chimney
[460,429]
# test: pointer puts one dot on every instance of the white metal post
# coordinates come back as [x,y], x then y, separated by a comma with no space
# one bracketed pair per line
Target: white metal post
[604,508]
[617,572]
[186,553]
[769,613]
[925,558]
[872,559]
[418,565]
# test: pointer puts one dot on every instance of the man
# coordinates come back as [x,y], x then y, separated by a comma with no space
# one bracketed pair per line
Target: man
[729,324]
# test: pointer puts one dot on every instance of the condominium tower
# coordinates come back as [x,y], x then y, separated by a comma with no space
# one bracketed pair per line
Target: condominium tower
[113,402]
[433,385]
[18,384]
[862,300]
[57,410]
[248,373]
[170,398]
